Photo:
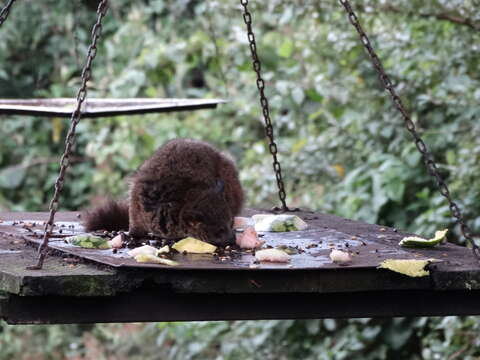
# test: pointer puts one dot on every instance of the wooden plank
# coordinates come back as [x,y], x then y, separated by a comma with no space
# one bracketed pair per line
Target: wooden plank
[63,277]
[93,108]
[72,290]
[164,305]
[58,277]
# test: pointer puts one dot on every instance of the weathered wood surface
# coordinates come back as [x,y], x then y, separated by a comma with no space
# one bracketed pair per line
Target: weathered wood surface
[93,108]
[68,290]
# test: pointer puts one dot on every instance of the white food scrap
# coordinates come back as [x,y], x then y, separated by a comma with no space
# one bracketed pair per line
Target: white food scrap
[249,239]
[259,217]
[279,223]
[340,257]
[143,250]
[272,255]
[163,250]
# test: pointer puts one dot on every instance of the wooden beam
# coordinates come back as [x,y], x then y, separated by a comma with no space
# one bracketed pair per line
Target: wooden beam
[164,305]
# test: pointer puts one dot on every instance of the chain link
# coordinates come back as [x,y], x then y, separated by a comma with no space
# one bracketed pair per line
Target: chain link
[419,143]
[5,11]
[272,146]
[70,139]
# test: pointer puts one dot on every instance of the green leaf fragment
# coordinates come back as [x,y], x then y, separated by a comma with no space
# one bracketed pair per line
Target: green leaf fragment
[279,223]
[279,226]
[286,48]
[87,241]
[415,241]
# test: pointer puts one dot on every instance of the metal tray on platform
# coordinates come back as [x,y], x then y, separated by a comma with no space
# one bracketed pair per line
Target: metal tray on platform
[369,245]
[93,108]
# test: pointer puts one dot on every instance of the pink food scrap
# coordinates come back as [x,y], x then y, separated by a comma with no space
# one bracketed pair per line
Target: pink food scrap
[241,222]
[249,239]
[116,242]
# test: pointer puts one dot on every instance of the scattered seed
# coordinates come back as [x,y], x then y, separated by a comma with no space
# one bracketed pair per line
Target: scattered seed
[257,285]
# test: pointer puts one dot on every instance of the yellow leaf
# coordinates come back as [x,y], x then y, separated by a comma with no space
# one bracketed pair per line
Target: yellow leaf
[409,267]
[56,129]
[194,246]
[152,259]
[340,170]
[299,145]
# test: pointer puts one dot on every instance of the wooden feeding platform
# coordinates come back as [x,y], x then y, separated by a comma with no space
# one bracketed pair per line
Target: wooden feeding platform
[89,285]
[93,108]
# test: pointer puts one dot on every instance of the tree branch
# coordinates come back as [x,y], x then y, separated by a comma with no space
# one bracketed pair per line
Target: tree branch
[456,19]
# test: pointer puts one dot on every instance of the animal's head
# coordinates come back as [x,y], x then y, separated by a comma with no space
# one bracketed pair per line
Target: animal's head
[209,218]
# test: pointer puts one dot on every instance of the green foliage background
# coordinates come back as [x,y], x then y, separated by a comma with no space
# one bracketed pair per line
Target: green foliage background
[342,146]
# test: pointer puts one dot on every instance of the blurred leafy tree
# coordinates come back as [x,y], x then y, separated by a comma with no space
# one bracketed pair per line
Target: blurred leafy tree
[343,147]
[357,339]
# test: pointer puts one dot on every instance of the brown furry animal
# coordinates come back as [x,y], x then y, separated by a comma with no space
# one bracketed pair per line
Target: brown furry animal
[187,188]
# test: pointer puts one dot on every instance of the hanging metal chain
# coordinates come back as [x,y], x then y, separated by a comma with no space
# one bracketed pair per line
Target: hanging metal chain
[5,11]
[247,17]
[420,144]
[70,139]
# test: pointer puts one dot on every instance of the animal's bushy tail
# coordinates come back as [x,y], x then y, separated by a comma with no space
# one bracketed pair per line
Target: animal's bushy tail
[110,216]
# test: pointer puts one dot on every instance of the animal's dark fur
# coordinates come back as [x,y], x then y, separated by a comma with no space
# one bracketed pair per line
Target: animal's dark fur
[110,216]
[187,188]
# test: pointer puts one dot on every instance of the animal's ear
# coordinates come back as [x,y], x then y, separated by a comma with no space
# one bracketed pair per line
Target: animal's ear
[219,186]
